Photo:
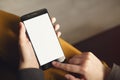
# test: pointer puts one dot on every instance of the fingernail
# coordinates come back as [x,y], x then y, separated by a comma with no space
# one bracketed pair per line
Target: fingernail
[59,34]
[57,26]
[54,63]
[54,18]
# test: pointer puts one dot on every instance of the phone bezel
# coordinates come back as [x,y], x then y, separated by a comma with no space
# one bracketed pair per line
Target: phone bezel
[32,15]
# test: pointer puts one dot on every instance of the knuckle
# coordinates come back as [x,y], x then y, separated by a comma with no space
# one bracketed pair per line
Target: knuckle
[67,68]
[85,69]
[88,55]
[90,52]
[62,66]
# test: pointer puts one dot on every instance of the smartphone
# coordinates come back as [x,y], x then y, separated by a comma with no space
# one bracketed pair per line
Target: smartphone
[42,35]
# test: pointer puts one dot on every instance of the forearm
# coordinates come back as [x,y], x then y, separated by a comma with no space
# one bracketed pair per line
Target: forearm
[30,74]
[115,73]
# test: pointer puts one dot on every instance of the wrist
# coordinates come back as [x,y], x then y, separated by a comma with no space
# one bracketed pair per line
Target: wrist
[106,72]
[25,65]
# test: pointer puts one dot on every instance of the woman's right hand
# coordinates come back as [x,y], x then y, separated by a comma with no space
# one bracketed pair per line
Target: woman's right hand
[85,64]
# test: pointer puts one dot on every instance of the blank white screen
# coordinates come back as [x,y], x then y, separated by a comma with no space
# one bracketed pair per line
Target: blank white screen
[43,39]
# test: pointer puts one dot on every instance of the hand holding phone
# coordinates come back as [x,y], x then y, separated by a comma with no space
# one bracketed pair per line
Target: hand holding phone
[27,56]
[43,38]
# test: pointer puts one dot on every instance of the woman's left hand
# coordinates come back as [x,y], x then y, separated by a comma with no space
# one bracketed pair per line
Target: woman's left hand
[27,56]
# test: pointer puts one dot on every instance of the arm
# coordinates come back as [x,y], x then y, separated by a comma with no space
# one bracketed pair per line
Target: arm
[29,67]
[115,73]
[30,74]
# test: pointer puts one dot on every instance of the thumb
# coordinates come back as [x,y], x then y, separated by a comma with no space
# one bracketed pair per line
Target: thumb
[22,34]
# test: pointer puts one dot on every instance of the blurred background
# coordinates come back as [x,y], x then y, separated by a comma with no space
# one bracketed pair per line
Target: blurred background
[79,19]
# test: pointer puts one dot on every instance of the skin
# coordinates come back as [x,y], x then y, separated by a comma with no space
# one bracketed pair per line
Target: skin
[86,64]
[27,57]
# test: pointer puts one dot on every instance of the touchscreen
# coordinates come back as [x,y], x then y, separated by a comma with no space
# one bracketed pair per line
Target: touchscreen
[43,39]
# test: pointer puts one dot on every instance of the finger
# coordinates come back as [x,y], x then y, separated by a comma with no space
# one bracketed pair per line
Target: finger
[82,56]
[77,56]
[59,34]
[53,20]
[22,35]
[22,32]
[71,77]
[57,27]
[76,61]
[68,67]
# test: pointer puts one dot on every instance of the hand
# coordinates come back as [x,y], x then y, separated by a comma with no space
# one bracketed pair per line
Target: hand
[86,64]
[27,56]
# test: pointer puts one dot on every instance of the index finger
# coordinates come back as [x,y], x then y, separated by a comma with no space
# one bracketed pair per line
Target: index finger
[68,67]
